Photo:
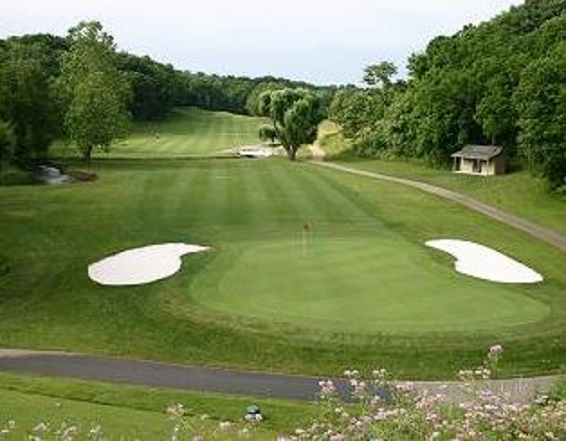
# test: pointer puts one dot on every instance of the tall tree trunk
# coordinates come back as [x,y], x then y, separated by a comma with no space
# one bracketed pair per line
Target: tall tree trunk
[292,153]
[87,154]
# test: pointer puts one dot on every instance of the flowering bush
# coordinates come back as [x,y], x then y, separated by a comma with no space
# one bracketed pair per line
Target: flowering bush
[404,413]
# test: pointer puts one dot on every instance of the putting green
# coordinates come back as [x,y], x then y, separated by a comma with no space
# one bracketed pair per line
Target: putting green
[356,284]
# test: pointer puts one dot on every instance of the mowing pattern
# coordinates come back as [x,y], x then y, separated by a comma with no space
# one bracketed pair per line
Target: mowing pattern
[290,245]
[356,283]
[314,257]
[190,132]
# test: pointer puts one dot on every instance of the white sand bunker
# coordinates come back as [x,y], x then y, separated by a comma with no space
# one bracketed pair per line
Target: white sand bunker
[485,263]
[141,265]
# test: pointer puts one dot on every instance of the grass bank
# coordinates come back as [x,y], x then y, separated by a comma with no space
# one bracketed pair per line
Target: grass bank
[518,193]
[130,412]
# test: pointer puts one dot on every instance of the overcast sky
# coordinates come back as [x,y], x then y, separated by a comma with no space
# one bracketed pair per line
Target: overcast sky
[324,42]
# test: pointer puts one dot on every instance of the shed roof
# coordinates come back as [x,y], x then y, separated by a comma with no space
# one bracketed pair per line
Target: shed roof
[478,152]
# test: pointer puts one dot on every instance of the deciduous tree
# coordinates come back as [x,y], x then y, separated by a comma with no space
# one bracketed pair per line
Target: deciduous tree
[26,99]
[295,114]
[95,91]
[541,102]
[380,74]
[7,141]
[267,133]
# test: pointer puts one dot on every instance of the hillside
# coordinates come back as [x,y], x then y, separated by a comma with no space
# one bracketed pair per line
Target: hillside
[500,82]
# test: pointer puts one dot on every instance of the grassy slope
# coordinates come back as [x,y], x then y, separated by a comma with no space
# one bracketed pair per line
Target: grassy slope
[518,193]
[130,412]
[331,139]
[188,132]
[47,300]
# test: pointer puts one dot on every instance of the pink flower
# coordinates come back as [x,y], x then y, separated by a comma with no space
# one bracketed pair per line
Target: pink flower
[327,388]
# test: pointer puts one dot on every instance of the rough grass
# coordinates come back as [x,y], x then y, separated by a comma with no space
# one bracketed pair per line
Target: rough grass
[130,412]
[331,139]
[519,192]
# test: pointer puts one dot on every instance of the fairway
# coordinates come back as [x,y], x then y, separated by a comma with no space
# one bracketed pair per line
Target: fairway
[309,271]
[188,132]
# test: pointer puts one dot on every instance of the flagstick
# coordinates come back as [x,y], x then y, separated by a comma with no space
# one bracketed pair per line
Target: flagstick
[304,242]
[306,230]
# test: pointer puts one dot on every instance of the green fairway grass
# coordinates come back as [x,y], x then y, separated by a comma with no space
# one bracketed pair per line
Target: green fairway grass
[519,193]
[188,132]
[132,412]
[29,411]
[310,271]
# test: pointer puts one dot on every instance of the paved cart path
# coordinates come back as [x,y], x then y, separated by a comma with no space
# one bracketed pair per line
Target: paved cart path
[544,234]
[178,376]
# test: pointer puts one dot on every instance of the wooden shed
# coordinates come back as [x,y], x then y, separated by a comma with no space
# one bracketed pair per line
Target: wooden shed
[480,160]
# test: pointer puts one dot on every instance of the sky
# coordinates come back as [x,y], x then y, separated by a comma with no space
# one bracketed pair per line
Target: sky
[322,42]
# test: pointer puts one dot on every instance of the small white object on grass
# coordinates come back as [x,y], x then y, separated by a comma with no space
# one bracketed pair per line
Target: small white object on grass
[485,263]
[143,265]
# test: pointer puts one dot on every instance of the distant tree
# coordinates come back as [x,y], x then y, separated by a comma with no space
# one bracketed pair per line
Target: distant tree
[354,109]
[295,114]
[495,112]
[26,99]
[541,103]
[380,74]
[7,145]
[7,141]
[95,92]
[253,102]
[267,133]
[155,86]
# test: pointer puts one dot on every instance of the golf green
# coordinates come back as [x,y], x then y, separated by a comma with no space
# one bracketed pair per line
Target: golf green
[356,284]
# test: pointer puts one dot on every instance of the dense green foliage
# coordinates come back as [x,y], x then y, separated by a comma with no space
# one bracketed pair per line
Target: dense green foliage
[295,115]
[7,141]
[27,100]
[42,99]
[500,82]
[94,91]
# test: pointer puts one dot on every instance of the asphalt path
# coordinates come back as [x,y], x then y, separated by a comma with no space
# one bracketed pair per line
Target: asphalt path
[253,384]
[159,374]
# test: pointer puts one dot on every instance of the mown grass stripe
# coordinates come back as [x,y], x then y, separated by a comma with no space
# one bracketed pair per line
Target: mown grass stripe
[357,303]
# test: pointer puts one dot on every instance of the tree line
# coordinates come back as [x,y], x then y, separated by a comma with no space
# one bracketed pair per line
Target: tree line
[80,87]
[501,82]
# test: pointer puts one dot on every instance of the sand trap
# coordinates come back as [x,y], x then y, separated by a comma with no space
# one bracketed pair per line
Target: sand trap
[485,263]
[141,265]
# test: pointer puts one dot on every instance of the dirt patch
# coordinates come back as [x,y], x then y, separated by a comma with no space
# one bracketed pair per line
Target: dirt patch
[317,154]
